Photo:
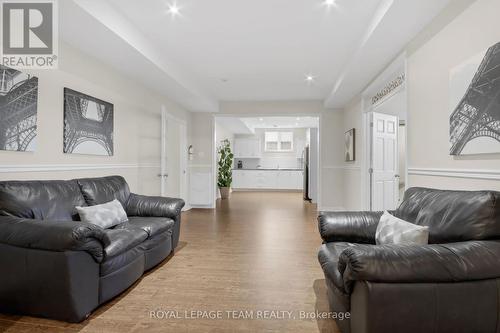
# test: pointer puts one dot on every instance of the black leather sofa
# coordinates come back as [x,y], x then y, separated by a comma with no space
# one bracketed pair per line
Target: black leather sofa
[450,285]
[53,265]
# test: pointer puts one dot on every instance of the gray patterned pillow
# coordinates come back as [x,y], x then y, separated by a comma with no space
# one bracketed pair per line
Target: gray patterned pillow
[106,215]
[392,230]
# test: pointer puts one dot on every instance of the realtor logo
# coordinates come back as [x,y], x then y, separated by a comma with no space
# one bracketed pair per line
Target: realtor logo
[29,34]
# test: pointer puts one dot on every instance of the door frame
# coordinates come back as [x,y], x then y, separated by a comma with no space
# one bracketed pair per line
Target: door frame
[263,115]
[398,66]
[167,117]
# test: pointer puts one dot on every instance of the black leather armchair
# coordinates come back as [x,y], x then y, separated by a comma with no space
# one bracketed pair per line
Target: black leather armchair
[55,266]
[449,285]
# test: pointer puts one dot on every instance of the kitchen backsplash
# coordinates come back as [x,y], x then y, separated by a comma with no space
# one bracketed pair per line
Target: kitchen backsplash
[270,162]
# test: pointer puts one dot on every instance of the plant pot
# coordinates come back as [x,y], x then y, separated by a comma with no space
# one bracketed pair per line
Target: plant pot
[225,192]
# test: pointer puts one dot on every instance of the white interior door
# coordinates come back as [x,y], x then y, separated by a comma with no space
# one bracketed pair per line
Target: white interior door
[384,162]
[183,146]
[174,157]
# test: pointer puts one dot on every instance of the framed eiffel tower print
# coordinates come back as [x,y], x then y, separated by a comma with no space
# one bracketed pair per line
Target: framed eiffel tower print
[475,104]
[18,110]
[88,124]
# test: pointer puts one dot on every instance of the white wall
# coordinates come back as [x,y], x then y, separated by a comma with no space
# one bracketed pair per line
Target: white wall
[223,133]
[332,160]
[352,170]
[136,125]
[429,67]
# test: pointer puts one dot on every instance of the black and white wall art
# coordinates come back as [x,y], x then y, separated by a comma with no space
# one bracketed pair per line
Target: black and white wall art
[350,149]
[18,110]
[88,124]
[475,104]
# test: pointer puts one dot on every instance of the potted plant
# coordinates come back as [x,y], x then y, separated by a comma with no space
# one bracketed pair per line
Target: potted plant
[225,170]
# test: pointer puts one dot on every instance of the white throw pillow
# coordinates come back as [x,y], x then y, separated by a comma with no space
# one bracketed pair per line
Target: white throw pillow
[106,215]
[392,230]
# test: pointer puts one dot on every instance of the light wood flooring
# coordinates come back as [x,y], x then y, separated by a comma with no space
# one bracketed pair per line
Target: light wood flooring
[256,252]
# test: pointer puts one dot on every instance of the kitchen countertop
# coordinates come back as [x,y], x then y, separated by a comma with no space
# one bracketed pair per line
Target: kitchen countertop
[269,169]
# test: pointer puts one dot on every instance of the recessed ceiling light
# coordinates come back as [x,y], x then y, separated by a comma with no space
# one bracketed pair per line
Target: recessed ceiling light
[329,3]
[298,118]
[261,119]
[310,79]
[174,9]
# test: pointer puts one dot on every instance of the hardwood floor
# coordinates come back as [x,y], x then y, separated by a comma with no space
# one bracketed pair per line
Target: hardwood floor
[255,252]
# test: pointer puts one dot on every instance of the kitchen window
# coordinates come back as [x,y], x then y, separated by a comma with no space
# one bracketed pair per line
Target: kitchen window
[278,141]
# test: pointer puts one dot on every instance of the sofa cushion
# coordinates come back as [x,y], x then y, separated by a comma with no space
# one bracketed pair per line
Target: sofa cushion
[42,200]
[113,264]
[97,191]
[151,225]
[453,216]
[106,215]
[121,240]
[328,257]
[392,230]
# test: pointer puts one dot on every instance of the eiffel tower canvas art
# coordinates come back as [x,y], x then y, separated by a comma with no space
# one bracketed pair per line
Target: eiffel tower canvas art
[88,124]
[475,102]
[18,110]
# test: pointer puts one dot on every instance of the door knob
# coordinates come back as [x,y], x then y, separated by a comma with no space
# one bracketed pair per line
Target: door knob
[397,176]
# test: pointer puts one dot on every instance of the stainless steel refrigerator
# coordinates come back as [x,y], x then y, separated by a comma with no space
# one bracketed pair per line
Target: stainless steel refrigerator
[305,172]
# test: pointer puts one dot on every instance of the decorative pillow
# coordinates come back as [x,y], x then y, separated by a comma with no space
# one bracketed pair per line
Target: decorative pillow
[392,230]
[106,215]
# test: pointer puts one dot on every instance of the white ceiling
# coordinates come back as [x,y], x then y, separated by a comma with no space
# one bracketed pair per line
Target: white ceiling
[248,125]
[247,50]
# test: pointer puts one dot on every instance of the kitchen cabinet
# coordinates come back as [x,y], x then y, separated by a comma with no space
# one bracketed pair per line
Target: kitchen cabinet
[267,179]
[247,148]
[299,148]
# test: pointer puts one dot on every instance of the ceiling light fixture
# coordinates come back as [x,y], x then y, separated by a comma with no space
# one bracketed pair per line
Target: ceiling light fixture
[329,3]
[310,79]
[174,9]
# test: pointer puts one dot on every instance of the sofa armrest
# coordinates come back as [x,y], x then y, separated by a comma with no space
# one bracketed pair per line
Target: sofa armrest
[451,262]
[53,236]
[148,206]
[356,227]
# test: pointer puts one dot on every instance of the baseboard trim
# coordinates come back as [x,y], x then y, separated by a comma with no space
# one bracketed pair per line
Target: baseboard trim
[201,207]
[331,209]
[266,190]
[70,167]
[342,167]
[456,173]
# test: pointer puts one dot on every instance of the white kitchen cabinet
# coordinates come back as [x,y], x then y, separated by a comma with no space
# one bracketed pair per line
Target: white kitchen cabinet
[299,179]
[240,179]
[247,148]
[286,180]
[299,148]
[267,179]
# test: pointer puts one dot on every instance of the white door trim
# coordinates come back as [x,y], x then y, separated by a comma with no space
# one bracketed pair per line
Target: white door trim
[165,118]
[163,154]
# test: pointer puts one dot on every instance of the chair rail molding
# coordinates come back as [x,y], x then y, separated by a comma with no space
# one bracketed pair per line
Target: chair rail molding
[342,167]
[69,167]
[456,173]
